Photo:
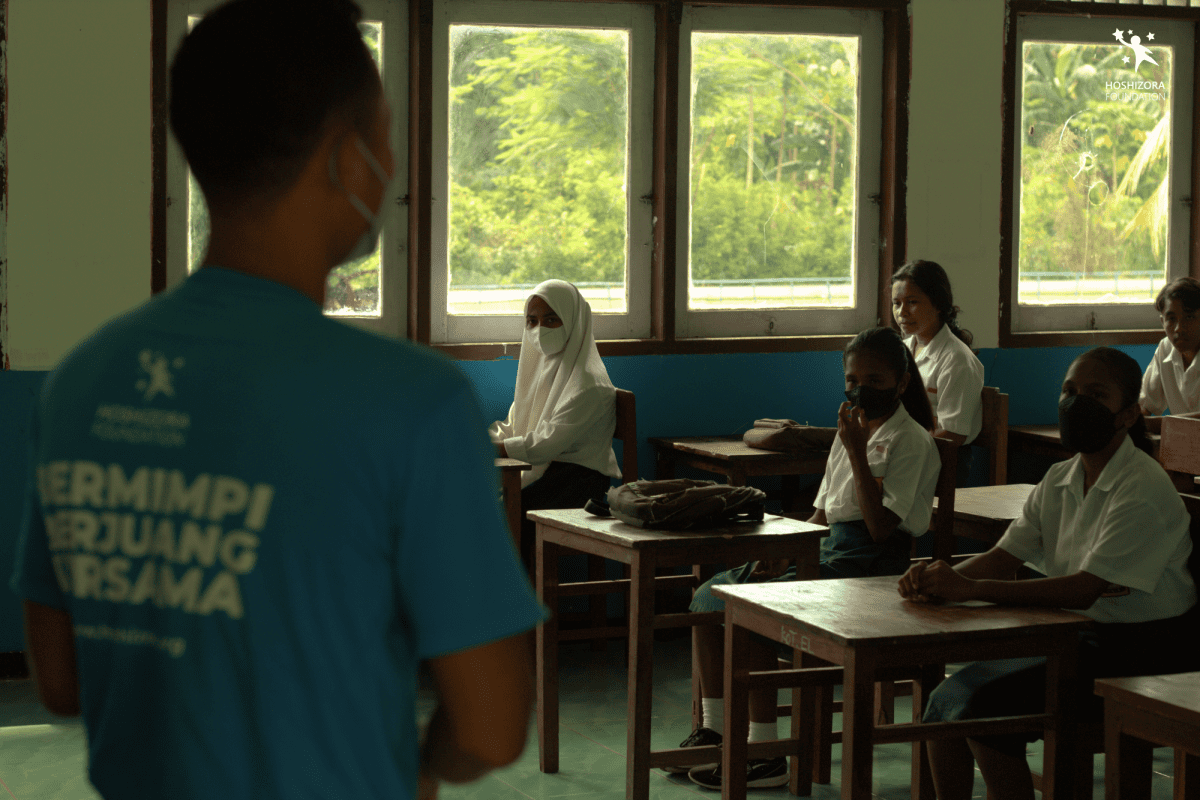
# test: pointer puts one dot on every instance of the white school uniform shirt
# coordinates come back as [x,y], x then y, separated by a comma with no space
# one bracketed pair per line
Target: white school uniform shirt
[953,377]
[1131,529]
[1167,384]
[904,456]
[564,405]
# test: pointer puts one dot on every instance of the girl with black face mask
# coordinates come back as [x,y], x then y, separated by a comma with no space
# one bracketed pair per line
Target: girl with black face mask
[876,494]
[1111,534]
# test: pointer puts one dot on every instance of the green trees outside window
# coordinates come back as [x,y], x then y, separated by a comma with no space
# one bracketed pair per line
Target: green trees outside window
[1095,157]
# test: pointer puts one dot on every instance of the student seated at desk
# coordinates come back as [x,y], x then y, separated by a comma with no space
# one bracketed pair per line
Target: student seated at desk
[1172,380]
[1111,533]
[876,494]
[564,408]
[923,305]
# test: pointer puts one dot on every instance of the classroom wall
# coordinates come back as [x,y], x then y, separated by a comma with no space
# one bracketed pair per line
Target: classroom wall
[79,235]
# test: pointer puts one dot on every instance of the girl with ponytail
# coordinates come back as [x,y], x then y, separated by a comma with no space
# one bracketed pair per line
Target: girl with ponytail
[1110,532]
[877,493]
[923,306]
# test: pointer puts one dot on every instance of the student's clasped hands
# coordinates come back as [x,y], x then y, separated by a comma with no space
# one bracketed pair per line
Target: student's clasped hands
[935,583]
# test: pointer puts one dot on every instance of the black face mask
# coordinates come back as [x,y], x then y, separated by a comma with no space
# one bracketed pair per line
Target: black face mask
[875,403]
[1085,424]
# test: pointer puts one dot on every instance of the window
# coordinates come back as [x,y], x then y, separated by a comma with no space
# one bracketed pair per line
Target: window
[780,110]
[1102,168]
[711,178]
[370,292]
[541,115]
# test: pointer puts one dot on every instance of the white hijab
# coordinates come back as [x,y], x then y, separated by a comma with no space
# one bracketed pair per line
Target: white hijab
[544,383]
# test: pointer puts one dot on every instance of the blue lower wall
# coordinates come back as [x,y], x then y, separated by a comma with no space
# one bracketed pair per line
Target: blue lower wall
[680,395]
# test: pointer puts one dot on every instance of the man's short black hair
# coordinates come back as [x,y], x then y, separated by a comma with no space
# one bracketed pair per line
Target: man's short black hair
[1186,290]
[257,84]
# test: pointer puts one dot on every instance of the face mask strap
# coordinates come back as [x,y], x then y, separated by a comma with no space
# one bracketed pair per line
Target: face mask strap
[376,167]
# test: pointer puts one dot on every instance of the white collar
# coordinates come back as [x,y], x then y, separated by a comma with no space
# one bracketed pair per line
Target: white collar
[1073,478]
[899,417]
[939,341]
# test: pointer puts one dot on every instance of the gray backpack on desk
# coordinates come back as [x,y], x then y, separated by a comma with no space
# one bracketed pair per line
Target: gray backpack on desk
[682,504]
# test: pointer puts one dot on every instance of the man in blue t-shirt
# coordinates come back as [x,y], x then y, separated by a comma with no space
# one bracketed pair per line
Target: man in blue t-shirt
[248,523]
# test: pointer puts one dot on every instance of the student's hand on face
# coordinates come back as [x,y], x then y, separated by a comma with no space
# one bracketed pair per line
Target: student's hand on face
[940,580]
[852,428]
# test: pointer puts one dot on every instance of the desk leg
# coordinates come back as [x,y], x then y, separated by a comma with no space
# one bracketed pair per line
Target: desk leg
[820,724]
[641,677]
[1186,766]
[1062,774]
[701,573]
[664,465]
[737,714]
[922,777]
[858,722]
[790,490]
[804,710]
[1128,761]
[547,655]
[512,505]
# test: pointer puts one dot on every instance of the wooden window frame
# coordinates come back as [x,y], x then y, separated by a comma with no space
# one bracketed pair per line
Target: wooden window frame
[1008,148]
[897,46]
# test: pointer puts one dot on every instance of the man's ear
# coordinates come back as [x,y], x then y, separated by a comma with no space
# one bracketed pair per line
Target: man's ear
[902,385]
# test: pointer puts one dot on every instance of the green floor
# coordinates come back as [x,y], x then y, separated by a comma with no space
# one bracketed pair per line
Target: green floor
[43,759]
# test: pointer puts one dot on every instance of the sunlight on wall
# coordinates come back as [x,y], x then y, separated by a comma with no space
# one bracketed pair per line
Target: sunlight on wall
[79,170]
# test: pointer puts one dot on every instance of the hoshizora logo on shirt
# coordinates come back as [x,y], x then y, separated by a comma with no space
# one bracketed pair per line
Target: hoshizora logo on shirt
[158,374]
[132,424]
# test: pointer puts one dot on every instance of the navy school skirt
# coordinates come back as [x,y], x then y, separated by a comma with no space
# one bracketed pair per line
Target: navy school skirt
[1017,686]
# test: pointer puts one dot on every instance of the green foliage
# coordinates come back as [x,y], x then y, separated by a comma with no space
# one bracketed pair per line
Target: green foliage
[1092,162]
[538,155]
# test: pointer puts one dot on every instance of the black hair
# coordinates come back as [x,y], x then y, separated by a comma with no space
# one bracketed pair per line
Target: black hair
[1185,290]
[931,279]
[1126,373]
[258,83]
[886,345]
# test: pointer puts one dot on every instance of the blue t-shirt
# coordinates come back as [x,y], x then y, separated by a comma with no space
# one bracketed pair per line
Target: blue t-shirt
[260,519]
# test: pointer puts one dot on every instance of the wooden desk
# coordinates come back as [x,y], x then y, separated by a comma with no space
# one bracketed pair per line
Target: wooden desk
[737,461]
[864,625]
[1044,440]
[510,487]
[644,551]
[1140,713]
[985,512]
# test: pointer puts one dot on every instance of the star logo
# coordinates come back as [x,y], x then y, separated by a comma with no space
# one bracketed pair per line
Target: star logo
[157,369]
[1140,51]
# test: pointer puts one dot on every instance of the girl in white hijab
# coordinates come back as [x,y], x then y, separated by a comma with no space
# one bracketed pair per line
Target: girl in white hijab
[563,412]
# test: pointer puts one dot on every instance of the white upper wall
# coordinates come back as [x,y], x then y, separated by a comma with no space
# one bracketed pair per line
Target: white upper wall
[79,170]
[954,152]
[79,163]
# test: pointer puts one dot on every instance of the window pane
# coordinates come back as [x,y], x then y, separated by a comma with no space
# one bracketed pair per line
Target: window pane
[538,162]
[1095,159]
[773,171]
[353,288]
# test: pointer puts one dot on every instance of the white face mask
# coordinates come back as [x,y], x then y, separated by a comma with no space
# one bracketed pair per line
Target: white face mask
[548,341]
[366,243]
